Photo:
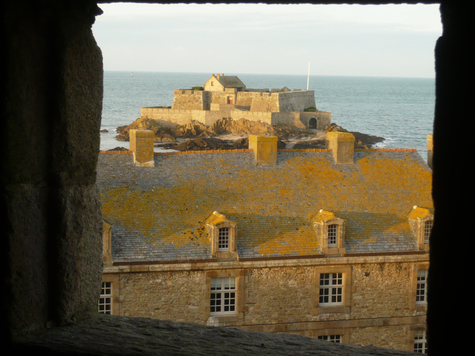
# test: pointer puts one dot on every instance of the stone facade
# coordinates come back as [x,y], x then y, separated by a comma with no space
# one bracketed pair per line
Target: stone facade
[282,296]
[225,100]
[244,228]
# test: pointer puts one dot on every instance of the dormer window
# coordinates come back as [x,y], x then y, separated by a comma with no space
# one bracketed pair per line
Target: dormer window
[427,230]
[421,221]
[331,232]
[222,235]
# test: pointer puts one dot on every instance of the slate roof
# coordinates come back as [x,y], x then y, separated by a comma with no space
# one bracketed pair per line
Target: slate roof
[158,213]
[231,81]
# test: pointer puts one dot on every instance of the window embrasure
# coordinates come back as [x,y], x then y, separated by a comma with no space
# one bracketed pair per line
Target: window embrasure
[331,232]
[222,235]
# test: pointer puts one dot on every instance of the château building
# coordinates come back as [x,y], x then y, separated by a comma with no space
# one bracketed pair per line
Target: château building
[328,243]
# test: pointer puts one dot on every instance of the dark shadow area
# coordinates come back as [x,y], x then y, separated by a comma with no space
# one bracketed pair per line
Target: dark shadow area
[51,248]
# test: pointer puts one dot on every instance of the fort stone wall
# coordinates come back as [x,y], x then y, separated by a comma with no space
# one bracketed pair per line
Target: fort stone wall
[191,100]
[296,100]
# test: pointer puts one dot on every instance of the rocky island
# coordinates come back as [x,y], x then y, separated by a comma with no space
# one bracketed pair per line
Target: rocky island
[222,113]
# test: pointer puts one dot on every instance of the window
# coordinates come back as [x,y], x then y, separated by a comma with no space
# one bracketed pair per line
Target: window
[332,235]
[223,296]
[332,338]
[331,288]
[331,232]
[223,239]
[427,229]
[421,221]
[222,235]
[420,342]
[105,300]
[421,291]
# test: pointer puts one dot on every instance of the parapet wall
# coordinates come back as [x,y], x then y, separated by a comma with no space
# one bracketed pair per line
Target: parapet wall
[191,100]
[296,100]
[170,117]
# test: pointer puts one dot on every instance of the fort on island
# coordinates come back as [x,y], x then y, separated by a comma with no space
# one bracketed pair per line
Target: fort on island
[224,96]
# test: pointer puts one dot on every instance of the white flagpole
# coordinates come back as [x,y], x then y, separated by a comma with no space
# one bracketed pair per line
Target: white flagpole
[308,75]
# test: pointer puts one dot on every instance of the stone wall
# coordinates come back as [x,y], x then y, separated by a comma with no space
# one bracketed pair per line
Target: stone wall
[191,100]
[296,100]
[283,297]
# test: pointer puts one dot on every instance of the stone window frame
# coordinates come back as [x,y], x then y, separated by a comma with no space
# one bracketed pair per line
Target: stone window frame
[225,318]
[106,243]
[422,242]
[322,228]
[348,289]
[418,306]
[114,280]
[418,217]
[213,232]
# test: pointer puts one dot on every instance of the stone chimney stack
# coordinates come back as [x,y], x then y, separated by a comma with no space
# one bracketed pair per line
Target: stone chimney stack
[141,143]
[429,150]
[265,149]
[342,145]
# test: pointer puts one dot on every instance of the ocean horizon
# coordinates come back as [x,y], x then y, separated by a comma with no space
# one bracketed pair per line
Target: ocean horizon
[399,109]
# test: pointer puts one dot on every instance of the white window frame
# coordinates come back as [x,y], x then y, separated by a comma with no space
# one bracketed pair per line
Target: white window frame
[331,338]
[332,235]
[420,342]
[224,234]
[421,286]
[223,296]
[428,224]
[105,299]
[332,289]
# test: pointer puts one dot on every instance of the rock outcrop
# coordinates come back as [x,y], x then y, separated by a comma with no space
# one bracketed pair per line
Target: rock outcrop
[202,137]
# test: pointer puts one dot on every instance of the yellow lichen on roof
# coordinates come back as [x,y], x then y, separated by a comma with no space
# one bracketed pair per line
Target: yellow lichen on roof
[324,216]
[418,212]
[215,218]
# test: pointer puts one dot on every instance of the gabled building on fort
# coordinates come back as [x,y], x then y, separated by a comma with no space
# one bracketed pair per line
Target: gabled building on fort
[227,97]
[329,243]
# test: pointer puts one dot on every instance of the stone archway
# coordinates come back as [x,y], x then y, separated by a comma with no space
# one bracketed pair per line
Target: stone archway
[312,123]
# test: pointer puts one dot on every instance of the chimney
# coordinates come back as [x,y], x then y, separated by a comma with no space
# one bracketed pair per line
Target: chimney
[141,143]
[217,76]
[342,145]
[265,149]
[429,150]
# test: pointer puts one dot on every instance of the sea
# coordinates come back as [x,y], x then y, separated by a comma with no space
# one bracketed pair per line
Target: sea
[399,109]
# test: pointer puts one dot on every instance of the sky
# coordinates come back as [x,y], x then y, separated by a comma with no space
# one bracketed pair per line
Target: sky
[344,40]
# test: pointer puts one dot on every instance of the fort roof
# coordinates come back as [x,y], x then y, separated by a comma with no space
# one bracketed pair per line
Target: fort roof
[159,213]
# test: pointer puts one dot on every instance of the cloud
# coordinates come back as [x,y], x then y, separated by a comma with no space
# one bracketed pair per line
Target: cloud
[252,38]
